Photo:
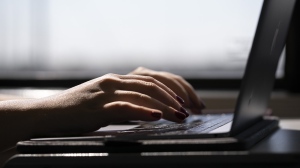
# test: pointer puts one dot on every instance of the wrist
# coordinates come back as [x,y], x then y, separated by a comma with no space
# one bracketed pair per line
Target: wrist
[54,117]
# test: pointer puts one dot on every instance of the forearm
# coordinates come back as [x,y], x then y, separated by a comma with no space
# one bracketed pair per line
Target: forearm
[9,97]
[26,118]
[16,121]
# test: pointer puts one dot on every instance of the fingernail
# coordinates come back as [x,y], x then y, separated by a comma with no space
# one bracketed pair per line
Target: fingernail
[180,115]
[179,99]
[184,111]
[156,114]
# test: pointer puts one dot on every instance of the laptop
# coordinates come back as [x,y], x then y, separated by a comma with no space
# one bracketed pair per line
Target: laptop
[239,130]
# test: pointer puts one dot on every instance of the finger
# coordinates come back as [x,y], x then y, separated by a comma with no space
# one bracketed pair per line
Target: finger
[178,85]
[141,86]
[151,89]
[169,113]
[123,111]
[153,80]
[196,102]
[173,85]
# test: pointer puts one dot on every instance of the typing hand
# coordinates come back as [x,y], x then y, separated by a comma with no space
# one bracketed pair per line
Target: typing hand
[114,98]
[141,95]
[180,86]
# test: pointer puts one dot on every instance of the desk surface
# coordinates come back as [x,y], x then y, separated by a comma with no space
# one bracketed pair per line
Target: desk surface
[281,149]
[289,123]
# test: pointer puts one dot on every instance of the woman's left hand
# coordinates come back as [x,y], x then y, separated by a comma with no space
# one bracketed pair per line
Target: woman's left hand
[178,84]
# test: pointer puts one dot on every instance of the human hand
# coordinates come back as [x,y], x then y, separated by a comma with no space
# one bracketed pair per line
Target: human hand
[180,86]
[108,99]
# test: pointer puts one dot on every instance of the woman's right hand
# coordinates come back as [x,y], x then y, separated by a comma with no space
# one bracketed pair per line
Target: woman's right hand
[109,99]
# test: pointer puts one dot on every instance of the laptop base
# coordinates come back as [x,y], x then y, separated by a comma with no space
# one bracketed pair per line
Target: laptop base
[242,141]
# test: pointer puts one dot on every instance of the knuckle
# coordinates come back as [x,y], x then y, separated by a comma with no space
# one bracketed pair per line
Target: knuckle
[151,86]
[122,105]
[133,95]
[138,96]
[177,77]
[140,68]
[110,75]
[119,105]
[108,81]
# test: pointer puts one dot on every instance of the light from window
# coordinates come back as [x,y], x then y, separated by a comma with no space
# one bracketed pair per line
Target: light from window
[87,38]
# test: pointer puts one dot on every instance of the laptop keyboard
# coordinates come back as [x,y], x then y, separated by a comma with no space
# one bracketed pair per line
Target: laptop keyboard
[195,124]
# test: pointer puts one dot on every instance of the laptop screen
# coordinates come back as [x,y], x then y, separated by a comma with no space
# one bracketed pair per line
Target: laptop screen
[258,81]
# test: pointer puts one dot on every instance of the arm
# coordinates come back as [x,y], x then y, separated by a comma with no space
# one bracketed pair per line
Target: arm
[9,97]
[92,105]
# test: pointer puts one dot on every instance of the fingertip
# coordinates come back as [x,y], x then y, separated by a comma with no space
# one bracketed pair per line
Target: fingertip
[156,114]
[181,116]
[183,110]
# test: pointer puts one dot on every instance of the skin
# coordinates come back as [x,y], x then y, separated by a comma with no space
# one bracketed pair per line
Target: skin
[143,94]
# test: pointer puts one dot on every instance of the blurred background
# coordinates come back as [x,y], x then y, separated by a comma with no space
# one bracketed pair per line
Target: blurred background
[47,46]
[74,39]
